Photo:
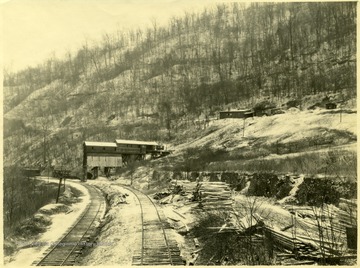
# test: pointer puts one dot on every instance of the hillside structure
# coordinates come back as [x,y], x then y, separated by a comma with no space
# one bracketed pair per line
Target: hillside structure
[102,157]
[244,113]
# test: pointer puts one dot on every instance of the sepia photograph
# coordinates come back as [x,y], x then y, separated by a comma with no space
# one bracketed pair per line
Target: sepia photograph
[179,132]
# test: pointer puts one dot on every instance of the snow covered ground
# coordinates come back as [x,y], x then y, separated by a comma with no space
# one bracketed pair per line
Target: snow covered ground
[292,126]
[122,230]
[120,237]
[60,223]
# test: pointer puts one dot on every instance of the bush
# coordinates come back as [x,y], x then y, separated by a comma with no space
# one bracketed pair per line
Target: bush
[269,185]
[284,187]
[214,176]
[10,247]
[33,226]
[234,180]
[293,103]
[193,176]
[23,197]
[261,107]
[226,245]
[263,184]
[315,192]
[347,189]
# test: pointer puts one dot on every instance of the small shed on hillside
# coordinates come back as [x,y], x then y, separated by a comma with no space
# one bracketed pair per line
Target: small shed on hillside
[244,113]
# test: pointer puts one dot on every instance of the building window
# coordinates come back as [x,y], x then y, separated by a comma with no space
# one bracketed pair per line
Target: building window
[115,149]
[103,148]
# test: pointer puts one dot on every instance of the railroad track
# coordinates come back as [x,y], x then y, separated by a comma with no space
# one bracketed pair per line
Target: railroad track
[157,247]
[65,252]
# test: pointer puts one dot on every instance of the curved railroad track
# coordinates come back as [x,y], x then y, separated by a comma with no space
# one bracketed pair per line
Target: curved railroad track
[157,246]
[65,252]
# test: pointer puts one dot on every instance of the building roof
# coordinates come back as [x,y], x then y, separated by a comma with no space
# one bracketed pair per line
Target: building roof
[100,144]
[237,111]
[120,141]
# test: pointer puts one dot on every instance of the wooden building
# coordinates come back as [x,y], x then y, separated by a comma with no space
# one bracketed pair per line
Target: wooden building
[104,156]
[100,156]
[137,147]
[245,113]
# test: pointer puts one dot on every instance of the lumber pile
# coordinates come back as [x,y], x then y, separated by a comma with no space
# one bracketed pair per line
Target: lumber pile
[210,195]
[213,195]
[302,246]
[188,187]
[348,213]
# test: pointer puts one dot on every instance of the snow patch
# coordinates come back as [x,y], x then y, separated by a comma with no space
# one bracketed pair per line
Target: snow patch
[60,224]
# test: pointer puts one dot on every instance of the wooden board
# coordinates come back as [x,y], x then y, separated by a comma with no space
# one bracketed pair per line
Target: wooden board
[104,161]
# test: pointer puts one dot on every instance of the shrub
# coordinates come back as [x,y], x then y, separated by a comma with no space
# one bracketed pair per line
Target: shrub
[234,180]
[293,103]
[214,176]
[259,108]
[23,197]
[315,192]
[193,176]
[33,226]
[284,187]
[226,245]
[263,184]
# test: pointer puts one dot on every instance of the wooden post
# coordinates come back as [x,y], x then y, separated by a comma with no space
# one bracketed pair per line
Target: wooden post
[84,163]
[244,128]
[340,114]
[58,193]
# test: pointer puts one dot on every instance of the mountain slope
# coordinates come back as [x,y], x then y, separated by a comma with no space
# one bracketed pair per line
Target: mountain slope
[153,84]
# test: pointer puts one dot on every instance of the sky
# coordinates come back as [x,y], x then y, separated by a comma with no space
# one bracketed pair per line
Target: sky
[34,30]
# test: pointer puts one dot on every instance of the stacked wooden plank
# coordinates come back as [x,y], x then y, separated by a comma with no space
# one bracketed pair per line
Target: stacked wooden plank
[210,195]
[214,195]
[348,213]
[188,186]
[300,245]
[285,240]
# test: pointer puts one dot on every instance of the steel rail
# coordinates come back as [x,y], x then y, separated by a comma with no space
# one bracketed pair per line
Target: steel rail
[141,197]
[57,251]
[77,244]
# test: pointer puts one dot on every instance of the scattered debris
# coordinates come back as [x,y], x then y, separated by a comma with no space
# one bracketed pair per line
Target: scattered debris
[116,198]
[192,261]
[196,242]
[161,195]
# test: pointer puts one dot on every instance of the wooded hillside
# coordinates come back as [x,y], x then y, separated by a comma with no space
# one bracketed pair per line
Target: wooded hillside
[149,84]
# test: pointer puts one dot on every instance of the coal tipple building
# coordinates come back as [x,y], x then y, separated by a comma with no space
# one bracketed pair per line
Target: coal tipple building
[102,157]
